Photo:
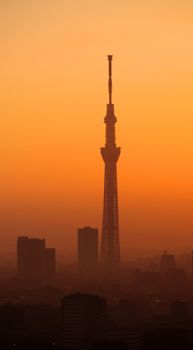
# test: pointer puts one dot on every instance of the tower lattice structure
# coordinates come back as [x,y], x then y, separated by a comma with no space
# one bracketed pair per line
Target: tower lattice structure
[110,246]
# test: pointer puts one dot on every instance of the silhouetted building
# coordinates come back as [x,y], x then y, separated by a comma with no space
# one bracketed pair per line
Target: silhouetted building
[180,310]
[192,263]
[39,319]
[87,249]
[83,318]
[109,345]
[131,338]
[167,262]
[49,265]
[30,258]
[110,246]
[34,261]
[165,338]
[175,280]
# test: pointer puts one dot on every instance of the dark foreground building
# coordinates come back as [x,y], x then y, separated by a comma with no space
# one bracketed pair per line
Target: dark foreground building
[83,318]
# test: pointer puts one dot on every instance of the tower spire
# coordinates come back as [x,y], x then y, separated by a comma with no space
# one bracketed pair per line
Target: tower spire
[110,58]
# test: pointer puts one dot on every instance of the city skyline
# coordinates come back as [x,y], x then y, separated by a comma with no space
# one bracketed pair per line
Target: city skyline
[53,97]
[96,249]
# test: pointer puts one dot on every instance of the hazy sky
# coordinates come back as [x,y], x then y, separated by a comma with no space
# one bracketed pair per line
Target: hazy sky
[53,90]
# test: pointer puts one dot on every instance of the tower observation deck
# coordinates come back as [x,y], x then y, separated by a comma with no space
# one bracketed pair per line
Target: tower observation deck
[110,246]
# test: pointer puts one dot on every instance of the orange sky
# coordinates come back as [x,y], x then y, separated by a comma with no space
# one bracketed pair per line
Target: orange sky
[53,71]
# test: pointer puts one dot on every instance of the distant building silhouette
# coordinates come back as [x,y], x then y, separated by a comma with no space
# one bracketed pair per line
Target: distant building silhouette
[30,258]
[49,265]
[180,310]
[83,318]
[87,249]
[35,262]
[110,247]
[173,278]
[192,263]
[167,262]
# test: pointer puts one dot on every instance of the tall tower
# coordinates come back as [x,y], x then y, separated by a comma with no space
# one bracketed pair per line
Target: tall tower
[110,247]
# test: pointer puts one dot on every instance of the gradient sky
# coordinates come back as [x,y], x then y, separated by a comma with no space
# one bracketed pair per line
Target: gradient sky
[53,71]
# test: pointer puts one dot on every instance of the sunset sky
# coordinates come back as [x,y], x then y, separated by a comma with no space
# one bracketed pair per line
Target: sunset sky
[53,96]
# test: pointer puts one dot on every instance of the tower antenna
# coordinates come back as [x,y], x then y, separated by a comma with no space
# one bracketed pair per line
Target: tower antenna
[110,58]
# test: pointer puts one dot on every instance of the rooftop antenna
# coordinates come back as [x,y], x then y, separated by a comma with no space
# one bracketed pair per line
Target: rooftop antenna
[110,58]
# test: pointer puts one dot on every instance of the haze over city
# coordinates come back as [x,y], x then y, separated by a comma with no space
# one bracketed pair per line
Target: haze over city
[96,224]
[53,102]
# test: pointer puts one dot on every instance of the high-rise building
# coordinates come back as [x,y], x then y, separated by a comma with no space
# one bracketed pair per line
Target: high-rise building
[167,262]
[173,278]
[110,246]
[49,265]
[83,318]
[34,261]
[87,249]
[30,258]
